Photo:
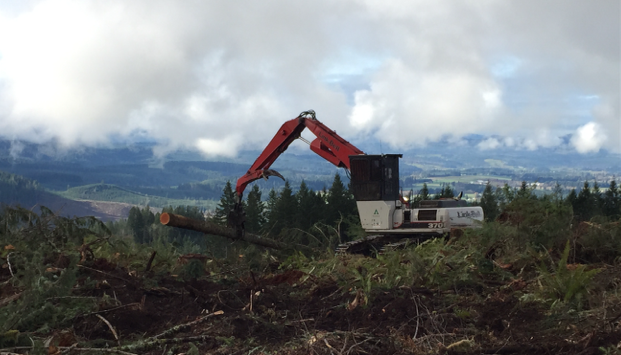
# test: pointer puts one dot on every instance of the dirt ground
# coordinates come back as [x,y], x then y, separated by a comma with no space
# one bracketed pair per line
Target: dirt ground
[292,312]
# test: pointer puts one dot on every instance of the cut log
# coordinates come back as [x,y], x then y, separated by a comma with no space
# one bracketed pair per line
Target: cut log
[173,220]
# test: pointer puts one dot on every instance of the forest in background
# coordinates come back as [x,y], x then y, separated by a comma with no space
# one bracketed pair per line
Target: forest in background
[518,285]
[131,174]
[539,264]
[308,215]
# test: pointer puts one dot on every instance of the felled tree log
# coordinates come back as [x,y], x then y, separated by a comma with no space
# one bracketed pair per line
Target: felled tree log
[173,220]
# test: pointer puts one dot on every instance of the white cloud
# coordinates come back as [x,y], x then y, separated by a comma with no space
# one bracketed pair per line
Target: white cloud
[515,70]
[589,138]
[540,138]
[509,141]
[16,149]
[226,147]
[489,144]
[223,76]
[407,107]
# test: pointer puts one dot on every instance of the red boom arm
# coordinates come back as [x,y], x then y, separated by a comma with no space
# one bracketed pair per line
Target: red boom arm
[328,145]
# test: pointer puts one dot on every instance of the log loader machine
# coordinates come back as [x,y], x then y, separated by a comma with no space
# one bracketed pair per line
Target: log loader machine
[387,218]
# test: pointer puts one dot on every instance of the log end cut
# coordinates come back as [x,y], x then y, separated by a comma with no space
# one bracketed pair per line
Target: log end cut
[165,218]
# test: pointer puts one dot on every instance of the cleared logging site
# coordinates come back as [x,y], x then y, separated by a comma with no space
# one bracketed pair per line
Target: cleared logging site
[522,284]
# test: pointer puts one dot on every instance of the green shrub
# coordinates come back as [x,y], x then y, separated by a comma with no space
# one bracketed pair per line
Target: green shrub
[569,285]
[194,269]
[540,223]
[598,242]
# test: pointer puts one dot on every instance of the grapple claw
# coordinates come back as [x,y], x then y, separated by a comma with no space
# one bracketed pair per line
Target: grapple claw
[270,172]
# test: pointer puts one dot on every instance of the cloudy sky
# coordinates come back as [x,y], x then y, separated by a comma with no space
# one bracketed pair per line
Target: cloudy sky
[220,76]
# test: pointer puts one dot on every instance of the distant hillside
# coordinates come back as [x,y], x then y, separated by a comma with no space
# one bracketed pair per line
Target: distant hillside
[112,193]
[17,190]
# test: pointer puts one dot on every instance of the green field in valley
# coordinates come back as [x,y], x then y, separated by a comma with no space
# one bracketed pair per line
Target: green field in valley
[112,193]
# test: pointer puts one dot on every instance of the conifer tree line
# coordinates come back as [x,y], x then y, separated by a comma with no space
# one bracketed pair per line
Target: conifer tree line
[446,191]
[283,213]
[15,188]
[585,204]
[304,213]
[285,210]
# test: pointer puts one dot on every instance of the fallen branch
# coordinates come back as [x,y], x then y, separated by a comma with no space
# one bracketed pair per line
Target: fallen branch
[511,349]
[299,321]
[9,263]
[109,326]
[15,348]
[429,336]
[135,304]
[103,272]
[181,327]
[148,345]
[69,349]
[9,299]
[417,318]
[356,344]
[86,253]
[72,298]
[148,268]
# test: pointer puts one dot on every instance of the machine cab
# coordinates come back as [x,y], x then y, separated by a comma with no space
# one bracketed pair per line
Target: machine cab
[375,185]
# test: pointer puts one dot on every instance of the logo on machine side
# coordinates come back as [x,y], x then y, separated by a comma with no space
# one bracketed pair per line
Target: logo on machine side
[329,141]
[469,214]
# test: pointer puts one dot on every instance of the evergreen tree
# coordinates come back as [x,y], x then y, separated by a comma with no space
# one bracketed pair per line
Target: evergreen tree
[500,198]
[281,210]
[319,206]
[557,194]
[149,219]
[270,209]
[572,199]
[583,207]
[310,211]
[424,192]
[611,202]
[136,224]
[147,216]
[489,203]
[306,213]
[438,195]
[525,191]
[285,210]
[254,211]
[445,192]
[449,192]
[287,206]
[226,205]
[597,200]
[340,202]
[508,194]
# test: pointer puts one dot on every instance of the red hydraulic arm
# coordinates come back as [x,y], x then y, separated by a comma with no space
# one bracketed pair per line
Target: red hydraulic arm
[328,145]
